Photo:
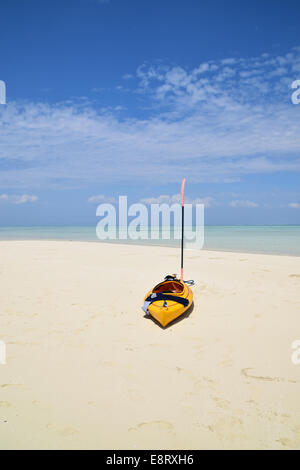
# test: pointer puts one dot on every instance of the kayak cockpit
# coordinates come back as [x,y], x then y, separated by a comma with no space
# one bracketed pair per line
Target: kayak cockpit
[169,286]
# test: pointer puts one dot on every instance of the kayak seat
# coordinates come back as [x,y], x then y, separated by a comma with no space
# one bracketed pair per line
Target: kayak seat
[173,287]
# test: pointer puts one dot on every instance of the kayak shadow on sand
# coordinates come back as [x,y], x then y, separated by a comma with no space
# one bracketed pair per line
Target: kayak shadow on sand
[184,316]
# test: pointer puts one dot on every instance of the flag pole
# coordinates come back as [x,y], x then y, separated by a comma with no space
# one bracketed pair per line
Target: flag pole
[182,228]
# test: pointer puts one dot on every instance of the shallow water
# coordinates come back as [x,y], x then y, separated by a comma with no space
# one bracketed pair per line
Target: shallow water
[282,240]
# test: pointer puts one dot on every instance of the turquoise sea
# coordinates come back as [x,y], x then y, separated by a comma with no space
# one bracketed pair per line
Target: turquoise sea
[282,240]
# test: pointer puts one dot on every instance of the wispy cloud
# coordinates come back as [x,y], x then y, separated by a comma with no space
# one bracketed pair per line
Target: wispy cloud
[215,123]
[101,199]
[15,199]
[128,76]
[206,201]
[232,81]
[294,205]
[176,199]
[162,199]
[240,203]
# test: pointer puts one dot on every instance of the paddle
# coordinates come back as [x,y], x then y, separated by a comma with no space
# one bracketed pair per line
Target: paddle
[182,227]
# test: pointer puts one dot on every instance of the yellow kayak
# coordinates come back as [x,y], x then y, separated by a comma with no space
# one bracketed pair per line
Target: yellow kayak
[171,298]
[168,300]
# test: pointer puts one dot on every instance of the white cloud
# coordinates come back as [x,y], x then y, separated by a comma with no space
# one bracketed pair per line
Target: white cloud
[211,124]
[176,199]
[101,199]
[294,205]
[229,61]
[15,199]
[163,199]
[240,203]
[127,76]
[206,201]
[201,69]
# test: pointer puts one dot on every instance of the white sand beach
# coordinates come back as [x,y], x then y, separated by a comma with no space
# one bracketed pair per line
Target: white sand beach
[85,369]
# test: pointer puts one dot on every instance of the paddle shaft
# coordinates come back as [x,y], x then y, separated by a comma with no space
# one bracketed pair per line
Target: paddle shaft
[182,242]
[182,228]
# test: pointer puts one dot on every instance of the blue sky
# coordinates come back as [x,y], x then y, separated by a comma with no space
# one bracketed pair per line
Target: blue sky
[127,97]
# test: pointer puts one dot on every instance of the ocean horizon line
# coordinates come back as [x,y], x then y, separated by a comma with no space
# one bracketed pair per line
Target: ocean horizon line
[265,239]
[94,226]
